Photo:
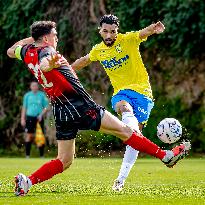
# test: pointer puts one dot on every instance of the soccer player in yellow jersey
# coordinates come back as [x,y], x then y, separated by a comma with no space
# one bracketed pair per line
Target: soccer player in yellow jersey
[120,57]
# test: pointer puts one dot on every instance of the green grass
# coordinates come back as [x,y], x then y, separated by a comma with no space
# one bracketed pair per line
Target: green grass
[89,181]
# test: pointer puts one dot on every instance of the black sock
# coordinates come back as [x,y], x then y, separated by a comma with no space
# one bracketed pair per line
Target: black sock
[41,150]
[28,148]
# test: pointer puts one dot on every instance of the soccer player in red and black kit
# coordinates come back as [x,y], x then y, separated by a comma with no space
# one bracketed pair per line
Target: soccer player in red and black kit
[73,108]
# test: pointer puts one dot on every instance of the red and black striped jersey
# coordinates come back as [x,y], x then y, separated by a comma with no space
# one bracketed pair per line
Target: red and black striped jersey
[60,84]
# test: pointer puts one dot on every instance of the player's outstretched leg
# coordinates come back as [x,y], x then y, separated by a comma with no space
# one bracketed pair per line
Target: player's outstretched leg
[168,157]
[112,125]
[66,150]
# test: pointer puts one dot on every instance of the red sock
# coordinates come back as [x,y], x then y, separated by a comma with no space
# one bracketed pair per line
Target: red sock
[47,171]
[142,144]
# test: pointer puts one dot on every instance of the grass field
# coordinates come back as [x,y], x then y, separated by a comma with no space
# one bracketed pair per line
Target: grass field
[89,181]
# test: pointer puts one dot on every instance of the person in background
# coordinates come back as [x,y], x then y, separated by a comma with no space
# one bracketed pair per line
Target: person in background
[35,105]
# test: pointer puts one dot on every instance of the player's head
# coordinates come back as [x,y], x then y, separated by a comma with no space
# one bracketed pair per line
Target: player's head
[44,32]
[109,25]
[34,86]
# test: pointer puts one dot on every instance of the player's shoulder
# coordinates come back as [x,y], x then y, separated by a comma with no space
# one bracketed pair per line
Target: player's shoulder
[46,51]
[131,34]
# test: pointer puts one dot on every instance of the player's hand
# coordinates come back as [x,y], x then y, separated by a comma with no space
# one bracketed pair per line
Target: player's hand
[63,61]
[54,61]
[158,27]
[23,122]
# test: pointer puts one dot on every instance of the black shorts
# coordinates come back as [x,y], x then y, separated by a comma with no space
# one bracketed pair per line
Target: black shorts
[69,122]
[31,124]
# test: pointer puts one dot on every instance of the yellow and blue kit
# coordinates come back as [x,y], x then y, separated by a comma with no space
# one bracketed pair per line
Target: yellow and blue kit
[123,64]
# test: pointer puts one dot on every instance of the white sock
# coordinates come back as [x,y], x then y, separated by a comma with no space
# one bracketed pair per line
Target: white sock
[131,154]
[129,119]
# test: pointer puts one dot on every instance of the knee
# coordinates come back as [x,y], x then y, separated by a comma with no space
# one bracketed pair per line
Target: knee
[66,160]
[123,106]
[126,132]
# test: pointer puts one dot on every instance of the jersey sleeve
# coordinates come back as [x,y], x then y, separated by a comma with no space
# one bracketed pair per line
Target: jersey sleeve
[134,35]
[93,54]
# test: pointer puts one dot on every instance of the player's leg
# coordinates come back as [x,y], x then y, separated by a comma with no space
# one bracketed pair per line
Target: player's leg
[133,107]
[66,150]
[125,110]
[65,135]
[112,125]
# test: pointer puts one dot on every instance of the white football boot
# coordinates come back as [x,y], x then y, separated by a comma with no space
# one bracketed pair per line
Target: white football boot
[118,185]
[176,154]
[22,185]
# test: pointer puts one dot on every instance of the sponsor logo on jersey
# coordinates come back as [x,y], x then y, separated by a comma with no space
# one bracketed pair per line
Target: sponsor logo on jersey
[113,63]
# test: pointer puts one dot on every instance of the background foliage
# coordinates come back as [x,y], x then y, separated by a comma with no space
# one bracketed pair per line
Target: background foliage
[174,60]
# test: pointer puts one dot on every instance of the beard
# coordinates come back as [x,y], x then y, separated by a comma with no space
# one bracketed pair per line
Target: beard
[109,42]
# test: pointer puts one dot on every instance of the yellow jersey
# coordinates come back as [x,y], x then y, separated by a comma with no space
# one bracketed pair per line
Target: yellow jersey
[123,63]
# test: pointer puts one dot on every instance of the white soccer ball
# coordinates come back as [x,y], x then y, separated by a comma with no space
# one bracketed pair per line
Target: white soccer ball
[169,130]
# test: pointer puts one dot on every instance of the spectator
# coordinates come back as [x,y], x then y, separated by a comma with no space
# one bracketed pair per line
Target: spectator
[35,104]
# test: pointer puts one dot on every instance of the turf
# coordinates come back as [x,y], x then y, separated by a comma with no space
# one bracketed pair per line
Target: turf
[89,181]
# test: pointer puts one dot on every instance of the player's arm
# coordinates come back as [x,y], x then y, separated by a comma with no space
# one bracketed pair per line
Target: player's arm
[11,52]
[81,62]
[51,61]
[155,28]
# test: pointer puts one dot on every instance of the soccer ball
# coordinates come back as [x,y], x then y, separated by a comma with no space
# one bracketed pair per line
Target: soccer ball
[169,130]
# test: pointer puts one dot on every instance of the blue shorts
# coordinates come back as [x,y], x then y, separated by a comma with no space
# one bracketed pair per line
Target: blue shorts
[141,104]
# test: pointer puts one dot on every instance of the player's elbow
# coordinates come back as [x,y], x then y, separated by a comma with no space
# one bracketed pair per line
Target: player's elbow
[10,53]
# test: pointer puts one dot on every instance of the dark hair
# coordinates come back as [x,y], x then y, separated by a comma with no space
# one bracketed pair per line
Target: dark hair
[109,19]
[41,28]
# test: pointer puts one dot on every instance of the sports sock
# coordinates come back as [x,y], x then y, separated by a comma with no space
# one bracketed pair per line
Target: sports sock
[130,154]
[129,159]
[28,148]
[141,143]
[129,119]
[47,171]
